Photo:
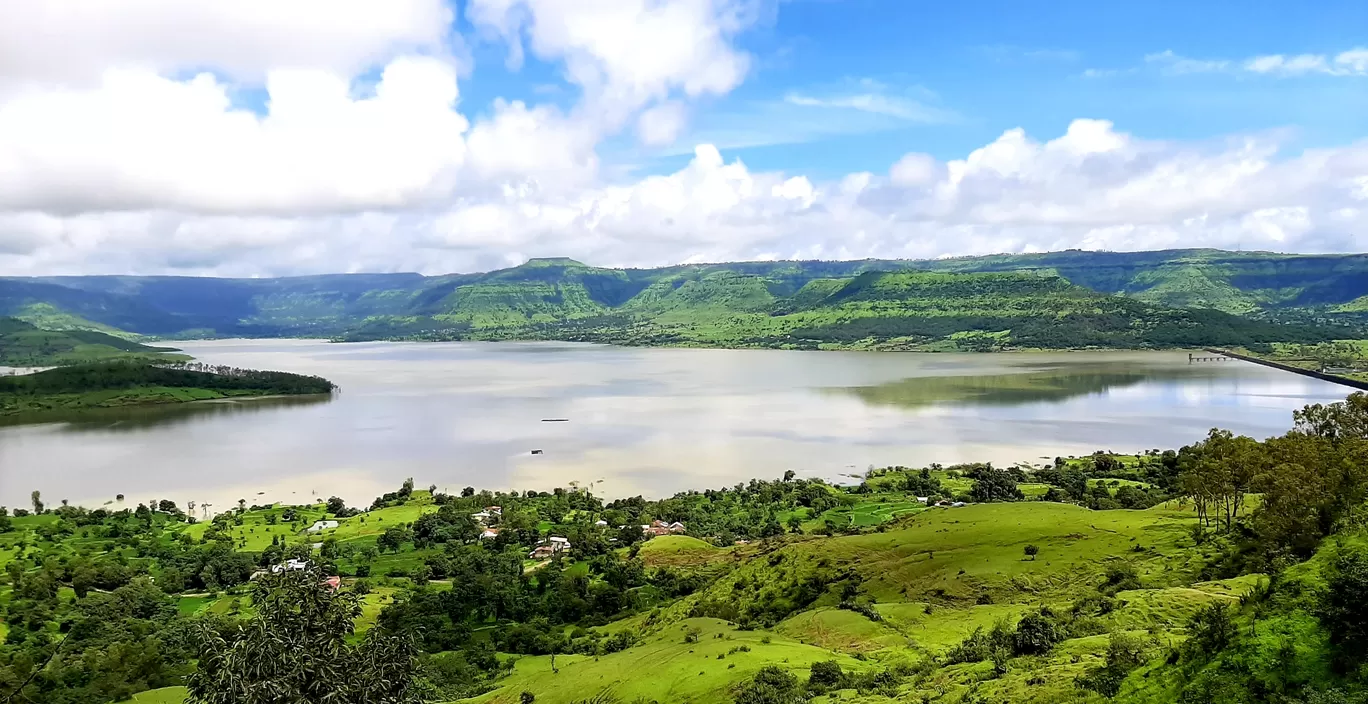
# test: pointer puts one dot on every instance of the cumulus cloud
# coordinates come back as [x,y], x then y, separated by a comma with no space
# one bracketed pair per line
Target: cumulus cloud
[1092,187]
[77,40]
[627,54]
[134,154]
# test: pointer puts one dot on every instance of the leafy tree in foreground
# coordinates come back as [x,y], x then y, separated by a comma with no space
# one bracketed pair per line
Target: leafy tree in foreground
[295,651]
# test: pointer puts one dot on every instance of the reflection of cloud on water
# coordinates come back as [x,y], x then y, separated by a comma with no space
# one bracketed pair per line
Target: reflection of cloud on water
[645,421]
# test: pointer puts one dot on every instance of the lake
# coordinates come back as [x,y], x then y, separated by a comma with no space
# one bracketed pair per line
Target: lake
[650,421]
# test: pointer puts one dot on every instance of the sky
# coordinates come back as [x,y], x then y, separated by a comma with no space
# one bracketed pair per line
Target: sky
[284,137]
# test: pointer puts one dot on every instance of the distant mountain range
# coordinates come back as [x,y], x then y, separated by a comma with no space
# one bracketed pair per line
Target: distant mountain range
[1057,299]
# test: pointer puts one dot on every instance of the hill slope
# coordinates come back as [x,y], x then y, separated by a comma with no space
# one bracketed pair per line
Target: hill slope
[24,345]
[711,303]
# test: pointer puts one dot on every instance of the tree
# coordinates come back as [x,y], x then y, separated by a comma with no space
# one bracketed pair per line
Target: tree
[6,523]
[526,697]
[1344,606]
[37,498]
[392,539]
[295,650]
[789,475]
[994,485]
[795,523]
[1031,551]
[771,685]
[336,506]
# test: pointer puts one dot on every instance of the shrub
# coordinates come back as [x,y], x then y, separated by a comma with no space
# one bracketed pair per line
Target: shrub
[1344,607]
[1211,629]
[771,685]
[1037,633]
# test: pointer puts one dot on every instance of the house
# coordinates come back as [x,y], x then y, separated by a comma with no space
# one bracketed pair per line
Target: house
[481,516]
[333,583]
[494,510]
[290,565]
[658,528]
[322,525]
[923,499]
[542,552]
[489,534]
[559,544]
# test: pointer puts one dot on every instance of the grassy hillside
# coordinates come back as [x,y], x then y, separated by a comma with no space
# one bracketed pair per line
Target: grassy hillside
[24,345]
[134,383]
[1126,298]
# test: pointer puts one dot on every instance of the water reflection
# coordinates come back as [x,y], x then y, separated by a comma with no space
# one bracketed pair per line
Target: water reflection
[649,421]
[131,418]
[1041,384]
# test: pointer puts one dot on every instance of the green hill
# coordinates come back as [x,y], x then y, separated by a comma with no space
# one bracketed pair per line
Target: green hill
[24,345]
[794,303]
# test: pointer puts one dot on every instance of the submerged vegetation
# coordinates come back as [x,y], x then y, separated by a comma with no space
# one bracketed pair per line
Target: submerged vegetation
[1231,570]
[133,383]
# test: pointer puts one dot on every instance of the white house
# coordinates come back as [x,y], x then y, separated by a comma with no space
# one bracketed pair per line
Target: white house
[482,516]
[322,525]
[559,544]
[489,534]
[290,565]
[923,499]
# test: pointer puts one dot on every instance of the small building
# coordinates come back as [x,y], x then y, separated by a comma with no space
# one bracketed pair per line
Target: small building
[542,552]
[489,534]
[601,523]
[923,499]
[494,510]
[333,583]
[559,544]
[659,528]
[322,525]
[290,565]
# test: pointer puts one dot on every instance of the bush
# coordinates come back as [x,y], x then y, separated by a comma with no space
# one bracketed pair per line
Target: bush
[1211,629]
[825,675]
[771,685]
[1037,633]
[1344,606]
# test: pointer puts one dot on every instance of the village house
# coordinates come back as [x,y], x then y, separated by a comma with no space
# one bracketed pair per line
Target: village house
[552,546]
[659,528]
[489,534]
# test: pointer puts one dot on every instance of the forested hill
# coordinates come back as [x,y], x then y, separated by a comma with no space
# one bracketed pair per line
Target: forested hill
[24,345]
[132,383]
[748,303]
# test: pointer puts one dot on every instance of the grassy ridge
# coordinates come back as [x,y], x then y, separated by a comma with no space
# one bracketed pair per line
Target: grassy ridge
[697,304]
[24,345]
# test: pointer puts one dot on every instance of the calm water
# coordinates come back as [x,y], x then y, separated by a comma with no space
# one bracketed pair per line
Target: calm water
[650,421]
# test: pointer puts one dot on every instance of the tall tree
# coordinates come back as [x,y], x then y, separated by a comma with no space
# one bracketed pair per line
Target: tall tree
[296,650]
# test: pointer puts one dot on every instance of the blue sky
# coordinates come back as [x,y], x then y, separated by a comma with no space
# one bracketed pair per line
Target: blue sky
[969,71]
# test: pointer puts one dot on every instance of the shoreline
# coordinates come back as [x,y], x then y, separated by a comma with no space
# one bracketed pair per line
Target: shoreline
[1334,379]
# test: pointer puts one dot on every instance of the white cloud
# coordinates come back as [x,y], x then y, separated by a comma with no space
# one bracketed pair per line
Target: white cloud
[1173,63]
[876,103]
[662,124]
[1353,62]
[77,40]
[628,54]
[138,141]
[1092,187]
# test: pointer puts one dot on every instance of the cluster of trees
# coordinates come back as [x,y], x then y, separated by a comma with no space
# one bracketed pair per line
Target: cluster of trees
[82,378]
